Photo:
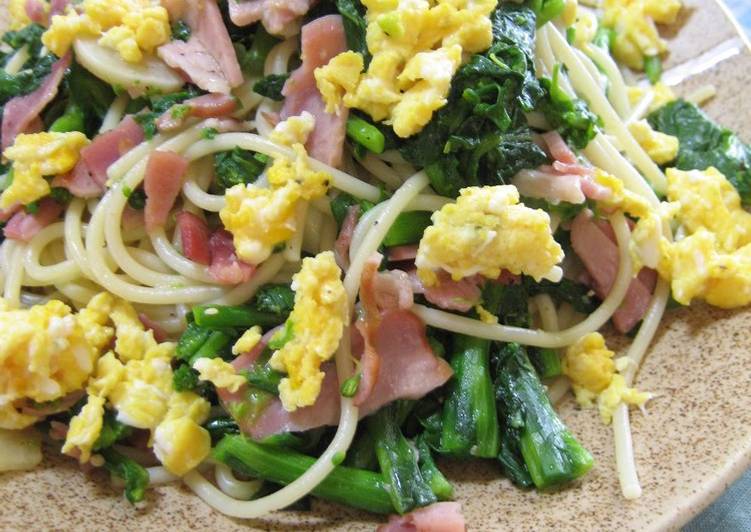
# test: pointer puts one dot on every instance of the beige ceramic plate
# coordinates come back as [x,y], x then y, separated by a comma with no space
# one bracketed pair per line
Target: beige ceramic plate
[695,440]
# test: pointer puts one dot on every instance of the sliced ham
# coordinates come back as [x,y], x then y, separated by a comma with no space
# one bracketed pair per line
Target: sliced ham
[344,240]
[160,335]
[206,106]
[6,214]
[24,226]
[438,517]
[402,253]
[598,251]
[370,362]
[408,370]
[194,236]
[276,15]
[225,267]
[448,294]
[89,177]
[322,39]
[162,183]
[558,148]
[208,58]
[57,7]
[35,10]
[22,111]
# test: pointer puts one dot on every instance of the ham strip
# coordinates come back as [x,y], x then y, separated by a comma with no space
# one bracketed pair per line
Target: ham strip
[89,177]
[408,370]
[225,267]
[194,236]
[438,517]
[22,111]
[402,253]
[162,183]
[598,251]
[57,7]
[344,240]
[276,15]
[24,226]
[448,294]
[206,106]
[208,58]
[322,39]
[160,335]
[36,12]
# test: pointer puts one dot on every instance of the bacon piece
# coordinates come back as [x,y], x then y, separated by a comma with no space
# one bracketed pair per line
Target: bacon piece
[57,7]
[598,251]
[276,15]
[449,294]
[52,407]
[322,39]
[402,253]
[344,240]
[206,106]
[208,58]
[6,214]
[24,226]
[160,335]
[194,236]
[370,363]
[408,370]
[558,148]
[162,183]
[89,177]
[36,12]
[20,112]
[438,517]
[225,267]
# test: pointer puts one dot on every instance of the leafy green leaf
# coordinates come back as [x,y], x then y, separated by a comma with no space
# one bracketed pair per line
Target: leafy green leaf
[355,27]
[135,475]
[237,167]
[271,86]
[181,31]
[277,299]
[112,431]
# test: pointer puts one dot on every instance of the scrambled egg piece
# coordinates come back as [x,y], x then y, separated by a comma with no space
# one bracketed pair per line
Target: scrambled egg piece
[17,14]
[218,372]
[486,231]
[416,48]
[260,218]
[590,366]
[35,156]
[660,147]
[131,27]
[636,34]
[317,323]
[248,340]
[585,27]
[662,95]
[44,356]
[135,379]
[714,261]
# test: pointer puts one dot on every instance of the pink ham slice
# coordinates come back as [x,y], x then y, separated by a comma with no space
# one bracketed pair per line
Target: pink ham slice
[206,106]
[448,294]
[344,240]
[322,39]
[22,111]
[402,253]
[598,251]
[36,12]
[276,15]
[162,183]
[225,267]
[208,57]
[408,370]
[57,7]
[24,226]
[194,237]
[438,517]
[160,335]
[89,177]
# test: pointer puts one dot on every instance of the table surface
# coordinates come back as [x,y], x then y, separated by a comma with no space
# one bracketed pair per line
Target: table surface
[732,511]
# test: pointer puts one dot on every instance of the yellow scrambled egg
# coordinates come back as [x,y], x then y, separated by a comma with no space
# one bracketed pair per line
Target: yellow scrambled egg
[486,231]
[248,340]
[135,379]
[661,95]
[636,35]
[38,155]
[660,147]
[44,355]
[260,218]
[317,323]
[713,262]
[590,366]
[416,48]
[131,27]
[219,373]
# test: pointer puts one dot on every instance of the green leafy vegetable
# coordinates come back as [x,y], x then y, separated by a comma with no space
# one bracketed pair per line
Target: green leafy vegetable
[33,72]
[237,167]
[653,68]
[72,120]
[438,483]
[408,228]
[350,386]
[137,199]
[533,434]
[365,134]
[185,379]
[61,195]
[570,116]
[181,31]
[262,376]
[220,427]
[112,431]
[222,316]
[271,86]
[283,336]
[480,136]
[342,202]
[90,94]
[209,133]
[355,27]
[135,475]
[253,58]
[278,299]
[159,105]
[547,10]
[703,143]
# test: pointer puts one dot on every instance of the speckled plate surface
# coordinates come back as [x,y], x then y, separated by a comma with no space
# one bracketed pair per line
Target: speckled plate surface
[694,441]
